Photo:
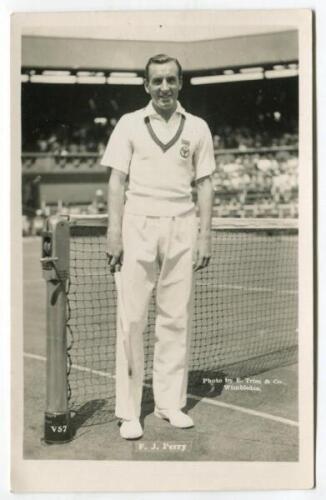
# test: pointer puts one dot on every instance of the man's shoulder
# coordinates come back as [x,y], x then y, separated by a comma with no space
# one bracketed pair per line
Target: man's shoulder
[133,115]
[129,122]
[197,121]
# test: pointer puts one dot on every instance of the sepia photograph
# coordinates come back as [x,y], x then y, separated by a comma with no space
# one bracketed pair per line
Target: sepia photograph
[163,190]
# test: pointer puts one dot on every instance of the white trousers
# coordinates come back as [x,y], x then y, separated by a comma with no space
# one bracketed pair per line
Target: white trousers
[148,242]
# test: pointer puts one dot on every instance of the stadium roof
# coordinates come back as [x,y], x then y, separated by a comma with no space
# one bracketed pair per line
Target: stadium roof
[125,40]
[158,32]
[126,55]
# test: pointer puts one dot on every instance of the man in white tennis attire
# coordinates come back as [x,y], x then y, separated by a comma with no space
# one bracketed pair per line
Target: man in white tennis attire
[161,149]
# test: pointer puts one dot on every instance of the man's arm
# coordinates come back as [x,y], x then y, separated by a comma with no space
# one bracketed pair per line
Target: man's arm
[116,197]
[205,205]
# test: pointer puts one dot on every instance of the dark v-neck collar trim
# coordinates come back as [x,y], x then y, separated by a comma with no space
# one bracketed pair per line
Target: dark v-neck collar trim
[174,139]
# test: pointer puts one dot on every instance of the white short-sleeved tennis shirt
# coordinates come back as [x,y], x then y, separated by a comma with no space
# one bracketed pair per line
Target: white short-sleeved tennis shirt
[161,158]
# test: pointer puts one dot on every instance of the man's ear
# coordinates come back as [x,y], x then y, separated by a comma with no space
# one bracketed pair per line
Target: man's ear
[146,86]
[180,83]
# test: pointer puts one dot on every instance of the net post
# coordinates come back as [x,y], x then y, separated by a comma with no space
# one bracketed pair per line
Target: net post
[55,265]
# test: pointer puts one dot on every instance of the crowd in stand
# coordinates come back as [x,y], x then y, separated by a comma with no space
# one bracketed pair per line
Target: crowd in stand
[273,175]
[249,180]
[243,138]
[92,138]
[88,138]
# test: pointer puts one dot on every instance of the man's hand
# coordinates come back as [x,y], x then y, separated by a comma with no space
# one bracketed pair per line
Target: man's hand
[116,194]
[203,251]
[114,250]
[205,204]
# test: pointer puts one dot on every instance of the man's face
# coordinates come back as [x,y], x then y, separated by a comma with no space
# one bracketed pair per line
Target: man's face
[163,85]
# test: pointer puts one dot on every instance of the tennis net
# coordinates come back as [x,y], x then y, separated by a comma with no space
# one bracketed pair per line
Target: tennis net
[245,313]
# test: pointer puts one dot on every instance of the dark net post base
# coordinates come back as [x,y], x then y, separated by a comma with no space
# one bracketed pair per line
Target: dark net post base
[57,428]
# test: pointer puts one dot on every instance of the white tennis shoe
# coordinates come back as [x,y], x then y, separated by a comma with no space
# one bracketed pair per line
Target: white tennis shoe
[131,429]
[176,418]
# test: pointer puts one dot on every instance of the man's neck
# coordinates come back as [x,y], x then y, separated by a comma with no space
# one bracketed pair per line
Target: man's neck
[166,115]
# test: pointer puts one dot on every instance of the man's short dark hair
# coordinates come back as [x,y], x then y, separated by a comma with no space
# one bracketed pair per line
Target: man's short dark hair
[162,59]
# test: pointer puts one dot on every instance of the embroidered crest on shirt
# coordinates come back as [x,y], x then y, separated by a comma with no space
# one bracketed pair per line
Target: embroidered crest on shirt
[185,148]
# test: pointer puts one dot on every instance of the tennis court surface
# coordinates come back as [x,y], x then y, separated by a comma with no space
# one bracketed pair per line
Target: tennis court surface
[243,373]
